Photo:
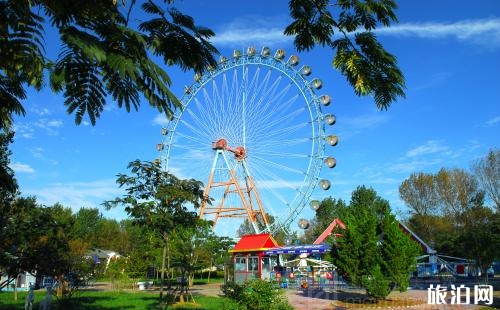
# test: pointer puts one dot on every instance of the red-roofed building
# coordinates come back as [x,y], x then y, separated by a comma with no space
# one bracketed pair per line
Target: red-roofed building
[254,243]
[249,260]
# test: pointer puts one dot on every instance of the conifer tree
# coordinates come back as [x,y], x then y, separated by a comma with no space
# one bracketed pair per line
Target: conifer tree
[399,253]
[373,252]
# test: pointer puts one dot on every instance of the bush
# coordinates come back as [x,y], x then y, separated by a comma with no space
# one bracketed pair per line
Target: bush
[255,295]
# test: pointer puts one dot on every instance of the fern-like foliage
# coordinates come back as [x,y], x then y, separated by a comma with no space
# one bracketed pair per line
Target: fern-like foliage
[83,89]
[175,37]
[101,57]
[347,28]
[21,57]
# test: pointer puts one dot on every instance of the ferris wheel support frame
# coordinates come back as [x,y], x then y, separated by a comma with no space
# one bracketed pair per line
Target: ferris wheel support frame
[249,210]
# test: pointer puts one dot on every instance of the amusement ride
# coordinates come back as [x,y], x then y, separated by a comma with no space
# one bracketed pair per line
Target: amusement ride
[253,130]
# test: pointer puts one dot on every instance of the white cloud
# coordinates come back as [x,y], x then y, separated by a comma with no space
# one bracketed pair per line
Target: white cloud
[38,152]
[161,120]
[438,78]
[40,111]
[21,168]
[408,167]
[241,37]
[257,31]
[49,125]
[24,130]
[480,31]
[253,31]
[27,130]
[430,147]
[352,126]
[493,122]
[77,194]
[366,121]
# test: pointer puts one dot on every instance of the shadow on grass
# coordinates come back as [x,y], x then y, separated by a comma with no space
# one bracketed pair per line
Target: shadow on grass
[105,303]
[97,301]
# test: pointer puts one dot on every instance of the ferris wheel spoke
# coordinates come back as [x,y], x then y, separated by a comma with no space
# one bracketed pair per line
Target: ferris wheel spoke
[194,127]
[274,96]
[262,101]
[285,119]
[281,166]
[265,116]
[198,141]
[275,184]
[283,155]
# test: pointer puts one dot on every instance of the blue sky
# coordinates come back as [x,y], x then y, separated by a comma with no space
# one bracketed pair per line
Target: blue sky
[448,50]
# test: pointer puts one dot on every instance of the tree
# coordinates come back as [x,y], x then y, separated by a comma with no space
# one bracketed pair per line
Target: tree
[8,183]
[85,224]
[218,247]
[397,264]
[373,253]
[329,209]
[246,227]
[437,231]
[481,237]
[101,54]
[458,192]
[50,246]
[8,191]
[37,239]
[419,193]
[358,249]
[108,235]
[439,202]
[142,248]
[159,200]
[189,250]
[449,210]
[487,171]
[347,28]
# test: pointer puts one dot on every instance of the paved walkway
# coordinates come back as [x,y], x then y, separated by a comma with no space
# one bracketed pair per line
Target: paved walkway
[321,300]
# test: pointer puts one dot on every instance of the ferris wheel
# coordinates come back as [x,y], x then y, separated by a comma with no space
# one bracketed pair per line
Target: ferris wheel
[254,132]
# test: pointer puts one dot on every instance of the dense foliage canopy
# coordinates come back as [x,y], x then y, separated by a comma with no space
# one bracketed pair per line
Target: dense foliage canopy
[102,55]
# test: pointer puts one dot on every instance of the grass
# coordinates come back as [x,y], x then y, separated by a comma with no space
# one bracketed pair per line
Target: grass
[108,300]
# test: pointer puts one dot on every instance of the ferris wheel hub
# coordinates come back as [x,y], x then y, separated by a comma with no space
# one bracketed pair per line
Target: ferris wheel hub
[221,144]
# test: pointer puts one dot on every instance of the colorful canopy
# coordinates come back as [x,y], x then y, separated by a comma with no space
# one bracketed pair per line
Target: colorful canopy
[299,249]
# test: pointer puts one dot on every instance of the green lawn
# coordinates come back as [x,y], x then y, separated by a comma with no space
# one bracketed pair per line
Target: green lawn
[108,301]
